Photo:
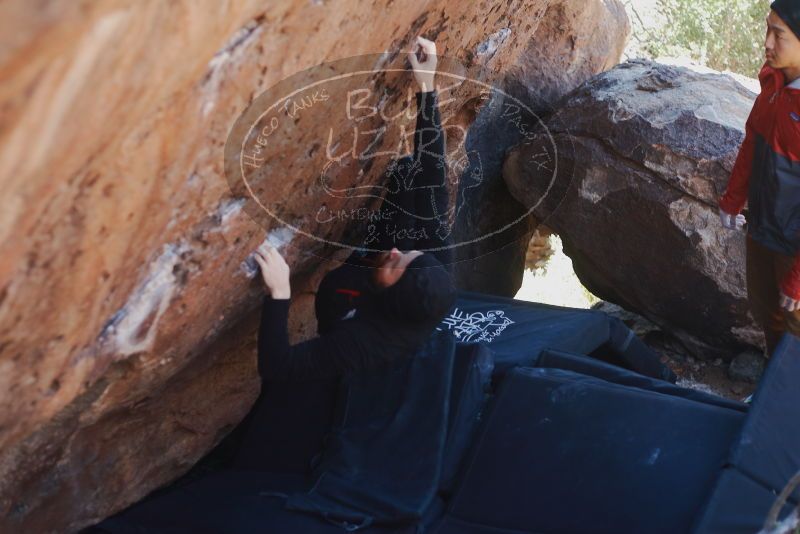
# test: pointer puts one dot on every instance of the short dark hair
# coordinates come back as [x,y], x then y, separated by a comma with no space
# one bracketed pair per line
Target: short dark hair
[789,12]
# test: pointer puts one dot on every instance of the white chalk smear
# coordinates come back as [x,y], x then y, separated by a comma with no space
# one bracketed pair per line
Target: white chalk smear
[146,305]
[379,64]
[229,209]
[489,47]
[278,238]
[233,49]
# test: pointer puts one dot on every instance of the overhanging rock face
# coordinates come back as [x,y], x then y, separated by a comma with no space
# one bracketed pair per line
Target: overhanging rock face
[126,321]
[640,155]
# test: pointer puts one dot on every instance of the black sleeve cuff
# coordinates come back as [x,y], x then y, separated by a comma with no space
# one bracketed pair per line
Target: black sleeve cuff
[276,306]
[427,94]
[426,103]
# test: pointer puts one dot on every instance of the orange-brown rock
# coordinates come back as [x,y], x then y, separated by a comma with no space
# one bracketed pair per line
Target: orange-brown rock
[126,322]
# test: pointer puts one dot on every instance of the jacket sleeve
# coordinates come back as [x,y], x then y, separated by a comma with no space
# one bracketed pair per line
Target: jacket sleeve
[790,285]
[336,352]
[735,196]
[428,137]
[432,198]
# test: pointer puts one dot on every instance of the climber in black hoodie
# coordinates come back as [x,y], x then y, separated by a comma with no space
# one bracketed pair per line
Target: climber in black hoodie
[376,307]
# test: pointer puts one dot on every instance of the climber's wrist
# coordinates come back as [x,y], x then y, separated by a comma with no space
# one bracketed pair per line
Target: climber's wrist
[425,83]
[280,293]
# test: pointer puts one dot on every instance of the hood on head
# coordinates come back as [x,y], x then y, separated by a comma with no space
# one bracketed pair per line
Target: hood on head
[425,292]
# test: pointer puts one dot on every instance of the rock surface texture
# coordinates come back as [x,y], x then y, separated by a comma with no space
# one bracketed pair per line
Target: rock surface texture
[568,43]
[633,162]
[126,321]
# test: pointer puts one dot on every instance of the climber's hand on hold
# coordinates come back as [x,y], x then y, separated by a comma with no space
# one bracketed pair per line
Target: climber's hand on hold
[274,271]
[424,65]
[731,221]
[788,303]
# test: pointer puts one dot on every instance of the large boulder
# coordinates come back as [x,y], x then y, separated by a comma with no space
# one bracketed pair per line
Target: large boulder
[628,172]
[569,42]
[126,319]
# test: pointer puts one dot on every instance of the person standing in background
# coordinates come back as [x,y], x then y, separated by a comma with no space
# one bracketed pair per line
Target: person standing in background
[767,176]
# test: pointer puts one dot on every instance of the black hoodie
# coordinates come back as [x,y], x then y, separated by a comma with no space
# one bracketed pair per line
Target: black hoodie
[375,334]
[359,326]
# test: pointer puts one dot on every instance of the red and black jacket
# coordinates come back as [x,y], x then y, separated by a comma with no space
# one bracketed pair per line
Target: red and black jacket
[766,174]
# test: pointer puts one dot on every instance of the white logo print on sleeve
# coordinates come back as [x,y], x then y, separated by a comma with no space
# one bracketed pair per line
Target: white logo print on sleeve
[475,326]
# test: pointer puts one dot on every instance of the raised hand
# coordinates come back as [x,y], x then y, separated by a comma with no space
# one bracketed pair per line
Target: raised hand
[424,66]
[274,271]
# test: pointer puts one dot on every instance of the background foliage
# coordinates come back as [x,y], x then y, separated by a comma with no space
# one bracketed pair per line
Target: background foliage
[720,34]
